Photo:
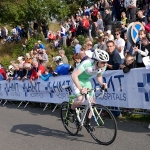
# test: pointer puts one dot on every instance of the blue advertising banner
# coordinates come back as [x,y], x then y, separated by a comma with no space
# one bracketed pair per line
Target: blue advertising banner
[131,90]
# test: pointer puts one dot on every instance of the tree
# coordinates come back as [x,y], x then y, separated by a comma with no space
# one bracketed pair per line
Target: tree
[21,12]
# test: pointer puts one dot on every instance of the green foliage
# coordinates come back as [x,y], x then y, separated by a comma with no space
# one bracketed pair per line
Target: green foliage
[21,12]
[69,52]
[81,39]
[17,51]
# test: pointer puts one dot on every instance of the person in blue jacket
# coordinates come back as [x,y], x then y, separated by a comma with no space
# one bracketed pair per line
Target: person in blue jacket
[48,73]
[61,69]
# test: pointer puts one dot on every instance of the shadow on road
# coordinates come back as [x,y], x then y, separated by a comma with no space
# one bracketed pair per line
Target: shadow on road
[33,130]
[128,126]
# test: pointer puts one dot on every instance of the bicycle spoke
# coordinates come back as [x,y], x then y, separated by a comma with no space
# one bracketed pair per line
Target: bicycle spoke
[105,132]
[70,124]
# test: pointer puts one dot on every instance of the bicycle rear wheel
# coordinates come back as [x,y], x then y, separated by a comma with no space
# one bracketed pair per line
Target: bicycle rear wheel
[104,125]
[70,124]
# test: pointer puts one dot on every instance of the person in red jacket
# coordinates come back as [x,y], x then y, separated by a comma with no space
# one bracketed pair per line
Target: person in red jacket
[37,70]
[2,73]
[94,15]
[85,25]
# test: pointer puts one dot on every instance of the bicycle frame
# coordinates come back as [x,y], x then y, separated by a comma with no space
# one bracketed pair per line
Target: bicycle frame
[87,107]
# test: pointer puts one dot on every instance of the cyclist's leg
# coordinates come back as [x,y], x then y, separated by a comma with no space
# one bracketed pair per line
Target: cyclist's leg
[79,101]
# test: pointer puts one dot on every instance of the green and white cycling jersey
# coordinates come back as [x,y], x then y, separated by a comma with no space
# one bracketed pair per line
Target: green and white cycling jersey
[87,67]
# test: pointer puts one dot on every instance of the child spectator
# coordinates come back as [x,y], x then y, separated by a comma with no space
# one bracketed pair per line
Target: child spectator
[128,64]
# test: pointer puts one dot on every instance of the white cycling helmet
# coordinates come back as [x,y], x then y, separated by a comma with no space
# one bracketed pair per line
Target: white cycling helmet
[57,58]
[100,55]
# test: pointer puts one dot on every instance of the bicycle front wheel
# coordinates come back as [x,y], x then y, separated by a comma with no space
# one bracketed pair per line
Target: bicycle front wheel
[70,124]
[104,125]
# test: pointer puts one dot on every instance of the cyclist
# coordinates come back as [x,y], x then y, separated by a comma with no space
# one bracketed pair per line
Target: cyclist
[94,66]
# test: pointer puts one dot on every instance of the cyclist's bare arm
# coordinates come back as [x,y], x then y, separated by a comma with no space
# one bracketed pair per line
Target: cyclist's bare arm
[75,79]
[100,81]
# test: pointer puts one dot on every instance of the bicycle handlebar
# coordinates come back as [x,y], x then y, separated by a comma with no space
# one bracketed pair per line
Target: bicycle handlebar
[97,88]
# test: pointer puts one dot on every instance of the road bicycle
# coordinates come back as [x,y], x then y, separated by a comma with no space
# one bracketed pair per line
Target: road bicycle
[103,126]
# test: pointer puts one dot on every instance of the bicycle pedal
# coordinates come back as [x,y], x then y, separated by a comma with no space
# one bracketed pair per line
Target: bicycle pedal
[80,128]
[89,128]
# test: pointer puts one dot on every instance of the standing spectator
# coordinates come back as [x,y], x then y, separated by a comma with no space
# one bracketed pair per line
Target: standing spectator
[114,57]
[86,25]
[63,35]
[77,46]
[19,31]
[37,70]
[106,38]
[89,45]
[101,5]
[79,26]
[124,19]
[43,57]
[126,6]
[101,44]
[113,64]
[3,34]
[63,56]
[73,28]
[141,18]
[86,11]
[120,43]
[100,25]
[139,50]
[107,20]
[123,29]
[132,10]
[6,30]
[14,31]
[106,4]
[128,46]
[110,36]
[116,9]
[94,14]
[88,52]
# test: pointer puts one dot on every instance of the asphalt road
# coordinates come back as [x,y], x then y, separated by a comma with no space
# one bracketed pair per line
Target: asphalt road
[33,129]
